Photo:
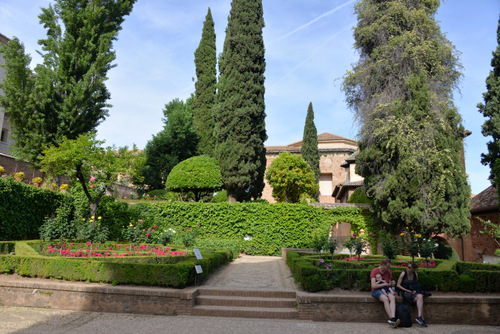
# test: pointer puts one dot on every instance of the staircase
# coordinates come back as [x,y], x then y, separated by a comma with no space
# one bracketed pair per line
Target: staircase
[245,303]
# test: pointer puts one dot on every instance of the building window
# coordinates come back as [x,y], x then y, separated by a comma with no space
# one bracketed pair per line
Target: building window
[325,184]
[3,135]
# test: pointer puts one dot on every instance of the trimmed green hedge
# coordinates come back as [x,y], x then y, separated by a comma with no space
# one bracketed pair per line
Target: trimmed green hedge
[447,276]
[23,209]
[177,275]
[271,226]
[7,247]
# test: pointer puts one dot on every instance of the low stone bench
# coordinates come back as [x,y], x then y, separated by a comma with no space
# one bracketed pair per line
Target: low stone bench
[350,307]
[362,307]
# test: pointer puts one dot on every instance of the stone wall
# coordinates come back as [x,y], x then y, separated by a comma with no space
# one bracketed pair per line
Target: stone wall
[12,166]
[345,307]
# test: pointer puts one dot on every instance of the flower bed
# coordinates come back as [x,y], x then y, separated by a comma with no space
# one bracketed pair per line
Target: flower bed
[146,265]
[104,250]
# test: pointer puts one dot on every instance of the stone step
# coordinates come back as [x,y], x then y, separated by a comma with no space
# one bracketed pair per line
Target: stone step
[245,301]
[244,312]
[248,293]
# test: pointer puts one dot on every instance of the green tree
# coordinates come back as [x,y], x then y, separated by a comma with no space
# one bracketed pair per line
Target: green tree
[85,161]
[175,143]
[491,110]
[309,149]
[291,178]
[205,59]
[240,110]
[66,95]
[411,134]
[199,175]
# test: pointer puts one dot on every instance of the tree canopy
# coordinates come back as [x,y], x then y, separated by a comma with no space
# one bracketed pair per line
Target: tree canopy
[411,134]
[205,59]
[175,143]
[65,96]
[309,149]
[199,175]
[291,178]
[86,161]
[240,110]
[491,110]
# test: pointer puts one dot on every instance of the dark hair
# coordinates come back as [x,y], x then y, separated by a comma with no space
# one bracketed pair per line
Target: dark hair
[413,265]
[385,262]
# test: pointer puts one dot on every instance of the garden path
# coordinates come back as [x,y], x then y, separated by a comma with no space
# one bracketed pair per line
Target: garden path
[253,272]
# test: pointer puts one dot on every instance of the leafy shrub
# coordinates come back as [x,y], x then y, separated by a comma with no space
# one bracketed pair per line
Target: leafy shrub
[166,236]
[7,247]
[390,246]
[467,283]
[220,197]
[115,216]
[92,230]
[23,209]
[61,224]
[358,196]
[443,251]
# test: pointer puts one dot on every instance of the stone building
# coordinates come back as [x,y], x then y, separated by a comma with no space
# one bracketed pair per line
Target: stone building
[334,150]
[353,181]
[478,247]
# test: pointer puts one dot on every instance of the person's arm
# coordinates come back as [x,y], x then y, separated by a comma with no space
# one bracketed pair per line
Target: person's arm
[378,285]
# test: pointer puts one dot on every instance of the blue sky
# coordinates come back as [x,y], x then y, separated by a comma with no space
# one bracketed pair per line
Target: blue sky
[309,47]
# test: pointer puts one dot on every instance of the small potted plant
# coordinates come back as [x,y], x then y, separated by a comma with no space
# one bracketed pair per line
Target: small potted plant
[37,181]
[63,188]
[19,176]
[1,171]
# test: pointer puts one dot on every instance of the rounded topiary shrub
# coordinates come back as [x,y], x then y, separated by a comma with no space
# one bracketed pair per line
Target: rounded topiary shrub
[200,175]
[443,251]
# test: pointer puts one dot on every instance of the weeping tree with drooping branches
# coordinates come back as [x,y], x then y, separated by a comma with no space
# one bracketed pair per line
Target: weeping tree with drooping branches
[411,135]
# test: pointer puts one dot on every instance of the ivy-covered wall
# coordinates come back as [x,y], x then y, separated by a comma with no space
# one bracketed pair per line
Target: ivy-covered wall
[270,226]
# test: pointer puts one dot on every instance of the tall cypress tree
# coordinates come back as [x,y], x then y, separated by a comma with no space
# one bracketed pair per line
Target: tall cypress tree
[205,59]
[66,95]
[491,109]
[411,134]
[240,111]
[309,149]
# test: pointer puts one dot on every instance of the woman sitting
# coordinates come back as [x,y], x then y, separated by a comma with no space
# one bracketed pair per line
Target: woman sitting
[409,286]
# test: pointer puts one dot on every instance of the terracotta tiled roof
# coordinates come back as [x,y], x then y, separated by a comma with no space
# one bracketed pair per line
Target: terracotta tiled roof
[342,187]
[4,39]
[487,200]
[297,145]
[331,136]
[325,136]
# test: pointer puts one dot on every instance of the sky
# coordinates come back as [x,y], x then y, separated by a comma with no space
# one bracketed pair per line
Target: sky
[309,47]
